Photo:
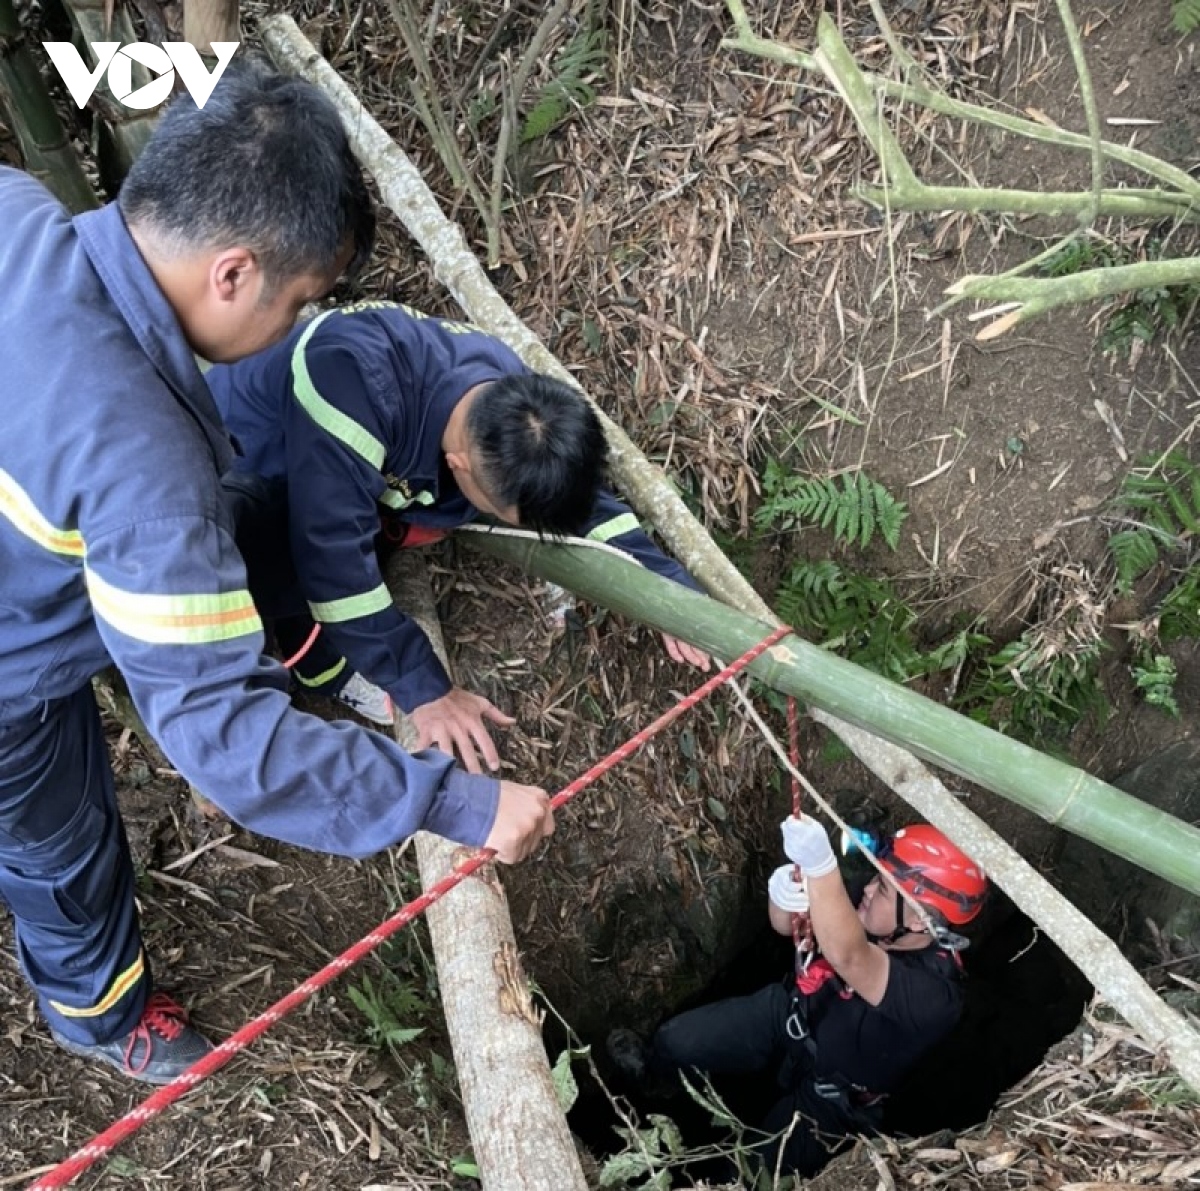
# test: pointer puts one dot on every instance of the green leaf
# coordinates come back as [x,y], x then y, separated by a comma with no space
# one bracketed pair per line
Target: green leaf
[716,808]
[1134,551]
[399,1035]
[854,511]
[1185,15]
[465,1168]
[585,54]
[592,337]
[566,1088]
[623,1168]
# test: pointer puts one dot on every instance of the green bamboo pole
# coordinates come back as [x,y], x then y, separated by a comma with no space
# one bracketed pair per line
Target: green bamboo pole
[42,137]
[123,133]
[1059,793]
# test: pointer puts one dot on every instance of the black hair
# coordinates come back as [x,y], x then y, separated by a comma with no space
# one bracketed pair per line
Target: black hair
[539,447]
[264,164]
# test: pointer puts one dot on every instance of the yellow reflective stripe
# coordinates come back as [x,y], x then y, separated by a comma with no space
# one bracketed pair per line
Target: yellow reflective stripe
[23,514]
[119,987]
[175,619]
[352,607]
[332,420]
[322,678]
[614,528]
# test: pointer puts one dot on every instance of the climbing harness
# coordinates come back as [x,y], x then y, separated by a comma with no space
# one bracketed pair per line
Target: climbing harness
[153,1105]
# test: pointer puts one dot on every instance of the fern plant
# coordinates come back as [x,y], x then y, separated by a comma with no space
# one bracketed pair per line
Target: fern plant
[1166,502]
[854,511]
[1179,612]
[1185,15]
[864,620]
[1154,675]
[388,1006]
[1030,688]
[582,57]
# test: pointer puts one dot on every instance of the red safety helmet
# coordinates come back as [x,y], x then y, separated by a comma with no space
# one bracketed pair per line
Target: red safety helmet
[926,864]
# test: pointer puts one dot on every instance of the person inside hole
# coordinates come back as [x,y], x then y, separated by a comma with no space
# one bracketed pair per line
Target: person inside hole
[877,983]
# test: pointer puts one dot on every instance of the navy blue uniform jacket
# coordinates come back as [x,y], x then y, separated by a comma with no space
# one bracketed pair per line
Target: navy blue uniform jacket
[115,545]
[351,409]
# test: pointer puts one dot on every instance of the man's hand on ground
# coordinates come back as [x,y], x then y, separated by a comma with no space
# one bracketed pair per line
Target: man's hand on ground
[681,651]
[523,820]
[455,724]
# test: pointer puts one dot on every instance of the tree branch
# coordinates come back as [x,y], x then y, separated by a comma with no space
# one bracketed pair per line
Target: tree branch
[1088,95]
[915,92]
[1037,295]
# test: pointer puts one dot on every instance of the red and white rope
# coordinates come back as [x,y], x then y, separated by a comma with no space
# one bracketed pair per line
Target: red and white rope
[153,1105]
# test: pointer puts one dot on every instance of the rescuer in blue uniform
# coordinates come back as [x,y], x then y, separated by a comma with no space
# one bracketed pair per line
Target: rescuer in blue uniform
[116,545]
[377,412]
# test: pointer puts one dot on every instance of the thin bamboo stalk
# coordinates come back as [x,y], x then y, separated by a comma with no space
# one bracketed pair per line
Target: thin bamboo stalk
[1059,793]
[42,137]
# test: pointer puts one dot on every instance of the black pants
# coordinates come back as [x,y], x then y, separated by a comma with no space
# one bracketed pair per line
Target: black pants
[746,1035]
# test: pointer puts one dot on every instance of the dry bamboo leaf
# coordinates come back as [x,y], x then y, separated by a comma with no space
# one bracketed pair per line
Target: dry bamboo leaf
[1001,326]
[998,1162]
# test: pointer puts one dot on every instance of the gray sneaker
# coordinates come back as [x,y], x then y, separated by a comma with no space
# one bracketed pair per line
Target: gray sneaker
[161,1046]
[371,702]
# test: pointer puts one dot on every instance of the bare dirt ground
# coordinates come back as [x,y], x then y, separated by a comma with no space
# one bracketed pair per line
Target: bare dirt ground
[688,245]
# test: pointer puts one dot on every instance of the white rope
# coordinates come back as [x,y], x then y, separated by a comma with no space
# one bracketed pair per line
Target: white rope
[934,928]
[512,531]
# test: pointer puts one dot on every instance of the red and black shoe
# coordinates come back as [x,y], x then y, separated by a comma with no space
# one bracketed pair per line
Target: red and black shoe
[161,1046]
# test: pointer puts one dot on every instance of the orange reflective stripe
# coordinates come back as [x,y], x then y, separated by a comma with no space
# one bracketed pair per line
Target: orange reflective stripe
[17,507]
[119,987]
[174,619]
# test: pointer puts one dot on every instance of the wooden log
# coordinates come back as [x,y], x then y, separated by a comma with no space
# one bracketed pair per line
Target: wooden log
[519,1135]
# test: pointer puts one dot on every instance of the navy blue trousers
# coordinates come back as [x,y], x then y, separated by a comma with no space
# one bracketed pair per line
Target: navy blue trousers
[66,872]
[747,1035]
[259,509]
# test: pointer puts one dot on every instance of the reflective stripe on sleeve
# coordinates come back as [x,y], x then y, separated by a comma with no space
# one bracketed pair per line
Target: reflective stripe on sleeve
[361,441]
[352,607]
[174,619]
[23,514]
[120,986]
[614,528]
[322,678]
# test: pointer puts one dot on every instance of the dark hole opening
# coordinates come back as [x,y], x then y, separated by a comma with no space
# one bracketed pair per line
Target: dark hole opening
[1022,996]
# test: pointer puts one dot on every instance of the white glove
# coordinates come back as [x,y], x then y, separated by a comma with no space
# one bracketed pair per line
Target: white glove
[806,843]
[786,892]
